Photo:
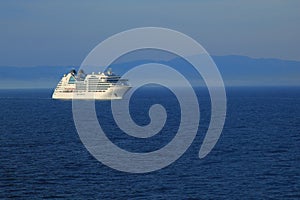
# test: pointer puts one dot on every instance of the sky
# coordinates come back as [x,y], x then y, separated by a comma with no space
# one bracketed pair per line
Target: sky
[62,33]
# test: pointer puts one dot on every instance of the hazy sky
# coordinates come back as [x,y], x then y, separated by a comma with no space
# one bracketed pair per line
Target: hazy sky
[63,32]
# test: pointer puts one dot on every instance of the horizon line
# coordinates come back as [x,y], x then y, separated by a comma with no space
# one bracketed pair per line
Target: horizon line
[229,55]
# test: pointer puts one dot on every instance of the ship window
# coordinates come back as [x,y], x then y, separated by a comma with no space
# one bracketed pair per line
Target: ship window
[71,80]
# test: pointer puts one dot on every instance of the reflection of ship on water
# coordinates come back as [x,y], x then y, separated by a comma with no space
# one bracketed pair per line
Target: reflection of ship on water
[102,86]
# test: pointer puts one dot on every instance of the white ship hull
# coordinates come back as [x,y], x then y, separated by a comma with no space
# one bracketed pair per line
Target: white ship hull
[116,92]
[100,86]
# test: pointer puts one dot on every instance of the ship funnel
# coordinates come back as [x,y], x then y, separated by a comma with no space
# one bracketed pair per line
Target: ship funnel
[73,72]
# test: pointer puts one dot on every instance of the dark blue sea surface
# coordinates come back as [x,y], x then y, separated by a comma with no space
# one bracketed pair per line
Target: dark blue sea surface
[257,155]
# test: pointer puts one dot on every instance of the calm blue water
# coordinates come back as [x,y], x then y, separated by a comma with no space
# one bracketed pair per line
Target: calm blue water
[257,156]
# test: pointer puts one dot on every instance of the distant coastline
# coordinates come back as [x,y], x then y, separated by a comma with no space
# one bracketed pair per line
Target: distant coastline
[235,70]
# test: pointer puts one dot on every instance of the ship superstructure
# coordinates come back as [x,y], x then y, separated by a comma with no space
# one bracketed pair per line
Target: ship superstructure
[101,86]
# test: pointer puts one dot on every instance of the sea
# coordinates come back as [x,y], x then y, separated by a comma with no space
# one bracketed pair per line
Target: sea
[256,157]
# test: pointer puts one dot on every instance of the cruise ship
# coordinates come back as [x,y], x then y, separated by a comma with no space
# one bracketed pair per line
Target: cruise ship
[98,86]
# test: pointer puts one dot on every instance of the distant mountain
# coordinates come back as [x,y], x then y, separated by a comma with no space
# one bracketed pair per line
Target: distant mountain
[235,70]
[245,71]
[31,77]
